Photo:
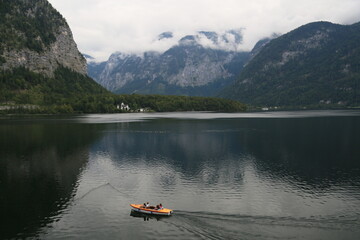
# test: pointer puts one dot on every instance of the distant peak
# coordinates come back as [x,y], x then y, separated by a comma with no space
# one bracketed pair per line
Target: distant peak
[88,57]
[234,35]
[165,35]
[213,36]
[189,39]
[227,40]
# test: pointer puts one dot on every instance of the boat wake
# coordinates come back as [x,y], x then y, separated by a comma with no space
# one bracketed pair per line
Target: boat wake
[233,226]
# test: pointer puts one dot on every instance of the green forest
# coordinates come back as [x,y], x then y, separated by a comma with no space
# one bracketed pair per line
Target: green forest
[35,30]
[324,75]
[23,91]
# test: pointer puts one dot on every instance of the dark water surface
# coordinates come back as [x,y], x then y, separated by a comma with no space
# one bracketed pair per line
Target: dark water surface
[285,175]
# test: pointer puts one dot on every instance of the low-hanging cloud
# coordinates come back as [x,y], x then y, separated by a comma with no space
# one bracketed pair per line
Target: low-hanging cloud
[101,27]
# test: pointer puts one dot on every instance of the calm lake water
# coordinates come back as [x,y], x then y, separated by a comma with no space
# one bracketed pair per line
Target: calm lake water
[279,175]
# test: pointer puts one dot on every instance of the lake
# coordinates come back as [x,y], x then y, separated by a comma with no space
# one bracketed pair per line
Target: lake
[268,175]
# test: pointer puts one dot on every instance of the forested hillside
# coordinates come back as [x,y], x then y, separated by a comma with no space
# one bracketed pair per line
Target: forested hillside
[23,91]
[21,26]
[317,64]
[42,70]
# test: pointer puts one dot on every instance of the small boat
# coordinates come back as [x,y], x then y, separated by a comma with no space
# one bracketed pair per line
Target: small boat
[151,210]
[147,216]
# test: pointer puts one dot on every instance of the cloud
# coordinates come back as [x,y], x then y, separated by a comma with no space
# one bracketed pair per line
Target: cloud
[101,27]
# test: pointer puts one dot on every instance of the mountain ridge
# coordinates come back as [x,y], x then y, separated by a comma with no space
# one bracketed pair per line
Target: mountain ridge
[41,69]
[36,36]
[197,65]
[315,64]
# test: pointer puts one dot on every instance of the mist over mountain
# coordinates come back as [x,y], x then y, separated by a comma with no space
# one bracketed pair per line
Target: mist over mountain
[165,35]
[198,64]
[40,65]
[42,70]
[315,64]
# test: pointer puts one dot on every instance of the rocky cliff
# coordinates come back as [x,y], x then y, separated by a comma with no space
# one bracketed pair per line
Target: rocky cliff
[35,36]
[41,69]
[199,64]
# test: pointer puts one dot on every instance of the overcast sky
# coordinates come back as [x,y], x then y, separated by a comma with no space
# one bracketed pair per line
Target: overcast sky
[101,27]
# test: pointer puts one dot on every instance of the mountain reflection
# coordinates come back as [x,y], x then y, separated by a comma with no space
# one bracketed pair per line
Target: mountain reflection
[63,179]
[314,151]
[188,146]
[306,150]
[39,169]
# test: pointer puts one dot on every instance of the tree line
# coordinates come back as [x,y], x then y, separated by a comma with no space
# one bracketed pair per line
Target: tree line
[23,91]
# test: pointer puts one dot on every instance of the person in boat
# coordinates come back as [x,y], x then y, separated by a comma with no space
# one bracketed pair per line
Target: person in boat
[147,205]
[159,207]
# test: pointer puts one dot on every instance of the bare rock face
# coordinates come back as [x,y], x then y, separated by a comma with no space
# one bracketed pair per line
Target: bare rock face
[192,67]
[198,65]
[41,43]
[63,52]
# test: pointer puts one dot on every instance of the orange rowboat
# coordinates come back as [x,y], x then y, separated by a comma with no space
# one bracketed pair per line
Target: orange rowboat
[151,210]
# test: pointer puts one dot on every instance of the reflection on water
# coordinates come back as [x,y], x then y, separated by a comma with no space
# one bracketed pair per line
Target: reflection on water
[226,178]
[147,217]
[39,167]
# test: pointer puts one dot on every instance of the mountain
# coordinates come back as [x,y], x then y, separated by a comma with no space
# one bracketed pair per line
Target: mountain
[35,35]
[42,71]
[39,60]
[165,35]
[88,58]
[199,64]
[315,64]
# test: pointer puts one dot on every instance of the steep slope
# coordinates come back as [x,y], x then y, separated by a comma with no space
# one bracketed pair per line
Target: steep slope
[39,60]
[316,64]
[193,67]
[35,35]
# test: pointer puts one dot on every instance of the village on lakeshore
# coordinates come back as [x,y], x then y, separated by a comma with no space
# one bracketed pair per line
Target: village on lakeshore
[125,107]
